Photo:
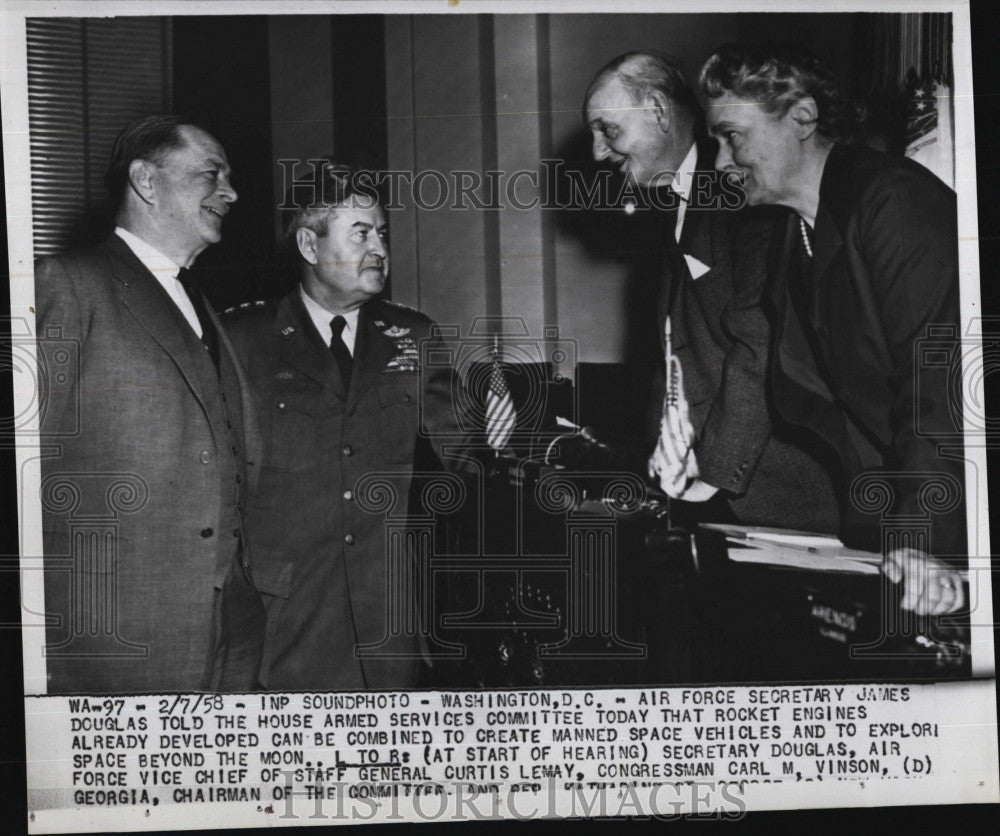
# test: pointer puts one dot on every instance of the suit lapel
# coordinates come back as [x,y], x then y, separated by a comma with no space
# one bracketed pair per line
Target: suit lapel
[253,443]
[696,232]
[689,231]
[696,239]
[207,373]
[800,393]
[779,269]
[827,244]
[789,350]
[674,272]
[837,192]
[680,283]
[372,350]
[302,346]
[155,311]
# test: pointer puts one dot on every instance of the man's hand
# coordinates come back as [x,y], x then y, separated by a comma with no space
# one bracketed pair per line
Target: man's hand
[673,463]
[929,586]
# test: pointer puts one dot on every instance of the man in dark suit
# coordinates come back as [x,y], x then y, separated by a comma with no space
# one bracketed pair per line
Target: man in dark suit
[347,408]
[717,442]
[862,271]
[151,436]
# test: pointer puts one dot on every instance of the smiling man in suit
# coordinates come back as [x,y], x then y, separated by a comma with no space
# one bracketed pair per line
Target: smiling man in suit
[346,411]
[864,267]
[152,437]
[718,445]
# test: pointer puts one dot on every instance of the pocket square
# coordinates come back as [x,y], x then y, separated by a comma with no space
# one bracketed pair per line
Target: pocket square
[696,267]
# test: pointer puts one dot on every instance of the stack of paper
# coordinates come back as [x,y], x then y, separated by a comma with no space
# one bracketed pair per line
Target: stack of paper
[794,549]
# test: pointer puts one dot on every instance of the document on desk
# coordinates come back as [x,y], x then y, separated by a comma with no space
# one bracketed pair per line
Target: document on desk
[794,549]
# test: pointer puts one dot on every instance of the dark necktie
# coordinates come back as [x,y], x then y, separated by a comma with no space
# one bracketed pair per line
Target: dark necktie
[339,350]
[670,225]
[209,337]
[667,216]
[667,223]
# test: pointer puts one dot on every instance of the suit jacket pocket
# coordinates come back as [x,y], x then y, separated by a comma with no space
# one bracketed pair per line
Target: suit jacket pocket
[399,418]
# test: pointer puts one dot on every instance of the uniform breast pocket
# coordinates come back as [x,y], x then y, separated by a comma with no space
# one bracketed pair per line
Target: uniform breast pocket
[399,419]
[300,421]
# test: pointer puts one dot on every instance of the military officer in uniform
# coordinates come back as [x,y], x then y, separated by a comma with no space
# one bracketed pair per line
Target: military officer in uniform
[346,411]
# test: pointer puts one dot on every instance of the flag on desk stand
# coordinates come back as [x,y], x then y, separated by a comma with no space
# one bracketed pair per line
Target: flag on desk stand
[670,397]
[500,414]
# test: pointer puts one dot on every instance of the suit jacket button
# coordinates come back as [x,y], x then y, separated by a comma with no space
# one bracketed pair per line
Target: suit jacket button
[207,532]
[407,399]
[348,496]
[349,539]
[205,457]
[348,450]
[236,532]
[281,404]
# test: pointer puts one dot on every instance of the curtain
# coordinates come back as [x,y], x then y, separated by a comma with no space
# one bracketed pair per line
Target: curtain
[87,79]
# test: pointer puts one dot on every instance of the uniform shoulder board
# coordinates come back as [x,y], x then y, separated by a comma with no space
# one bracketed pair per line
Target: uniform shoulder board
[401,306]
[244,306]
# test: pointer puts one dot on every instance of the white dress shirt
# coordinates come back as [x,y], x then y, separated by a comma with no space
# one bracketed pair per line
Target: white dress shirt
[321,318]
[165,272]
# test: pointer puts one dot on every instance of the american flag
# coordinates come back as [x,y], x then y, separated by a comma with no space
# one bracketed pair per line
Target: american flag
[500,413]
[929,138]
[921,112]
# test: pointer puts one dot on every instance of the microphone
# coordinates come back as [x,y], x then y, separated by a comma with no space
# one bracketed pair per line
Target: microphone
[587,434]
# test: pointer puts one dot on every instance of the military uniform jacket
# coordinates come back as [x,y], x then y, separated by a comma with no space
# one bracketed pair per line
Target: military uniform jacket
[333,488]
[146,455]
